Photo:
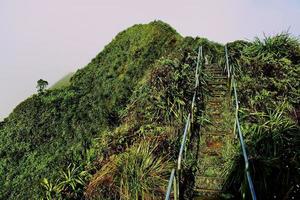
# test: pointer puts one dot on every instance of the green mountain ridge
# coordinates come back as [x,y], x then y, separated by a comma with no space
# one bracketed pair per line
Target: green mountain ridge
[63,82]
[112,130]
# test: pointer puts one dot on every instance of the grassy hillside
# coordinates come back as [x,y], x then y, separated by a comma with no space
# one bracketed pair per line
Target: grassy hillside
[47,132]
[113,131]
[64,82]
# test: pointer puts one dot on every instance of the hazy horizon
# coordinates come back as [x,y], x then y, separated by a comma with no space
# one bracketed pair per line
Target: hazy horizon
[49,39]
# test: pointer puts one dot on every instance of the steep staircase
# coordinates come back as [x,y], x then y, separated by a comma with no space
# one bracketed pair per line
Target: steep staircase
[216,136]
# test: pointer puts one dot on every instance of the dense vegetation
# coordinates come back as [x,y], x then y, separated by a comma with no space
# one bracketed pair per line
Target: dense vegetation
[48,131]
[112,131]
[268,73]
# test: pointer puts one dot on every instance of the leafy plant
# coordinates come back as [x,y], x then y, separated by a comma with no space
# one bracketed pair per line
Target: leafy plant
[69,185]
[52,191]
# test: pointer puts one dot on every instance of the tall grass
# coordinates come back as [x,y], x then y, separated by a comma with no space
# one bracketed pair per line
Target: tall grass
[135,174]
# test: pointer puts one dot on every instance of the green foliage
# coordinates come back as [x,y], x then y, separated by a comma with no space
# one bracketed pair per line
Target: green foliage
[120,119]
[48,131]
[269,91]
[138,173]
[68,186]
[270,71]
[155,112]
[52,191]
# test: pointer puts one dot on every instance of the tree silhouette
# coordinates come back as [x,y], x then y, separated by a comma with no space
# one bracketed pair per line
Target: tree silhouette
[41,85]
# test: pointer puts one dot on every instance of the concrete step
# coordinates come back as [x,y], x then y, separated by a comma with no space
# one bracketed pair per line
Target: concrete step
[216,76]
[218,94]
[217,88]
[209,183]
[207,152]
[210,151]
[216,113]
[215,100]
[212,83]
[211,166]
[214,73]
[212,141]
[206,194]
[216,116]
[220,77]
[214,69]
[214,132]
[214,106]
[216,123]
[216,129]
[211,170]
[217,81]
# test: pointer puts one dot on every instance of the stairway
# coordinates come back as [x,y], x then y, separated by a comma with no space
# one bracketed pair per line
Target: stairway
[216,137]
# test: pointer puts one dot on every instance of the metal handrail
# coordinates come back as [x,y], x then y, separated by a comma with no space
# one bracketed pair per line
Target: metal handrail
[187,126]
[172,179]
[237,125]
[227,62]
[170,184]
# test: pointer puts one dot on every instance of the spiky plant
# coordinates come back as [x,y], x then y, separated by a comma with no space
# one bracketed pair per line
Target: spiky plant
[135,174]
[68,186]
[52,191]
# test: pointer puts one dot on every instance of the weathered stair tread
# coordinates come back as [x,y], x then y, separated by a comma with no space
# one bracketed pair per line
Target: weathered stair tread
[220,77]
[209,183]
[206,194]
[215,123]
[211,166]
[216,129]
[218,80]
[213,102]
[218,133]
[218,94]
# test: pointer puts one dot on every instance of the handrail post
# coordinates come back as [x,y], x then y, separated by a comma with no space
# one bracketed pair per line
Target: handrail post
[227,62]
[197,68]
[183,142]
[176,188]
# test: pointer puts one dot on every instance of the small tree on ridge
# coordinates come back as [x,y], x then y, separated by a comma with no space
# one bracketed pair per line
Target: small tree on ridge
[41,85]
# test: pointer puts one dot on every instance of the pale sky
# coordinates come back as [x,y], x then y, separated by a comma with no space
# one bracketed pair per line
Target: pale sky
[50,38]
